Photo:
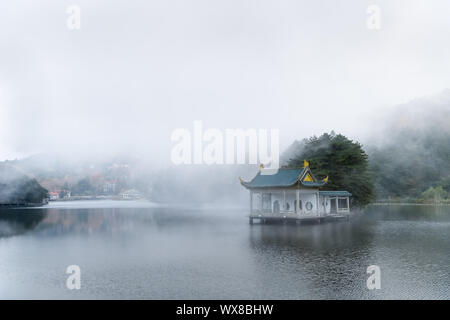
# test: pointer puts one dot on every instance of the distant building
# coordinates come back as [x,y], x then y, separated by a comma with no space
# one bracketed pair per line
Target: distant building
[294,194]
[53,196]
[109,187]
[131,194]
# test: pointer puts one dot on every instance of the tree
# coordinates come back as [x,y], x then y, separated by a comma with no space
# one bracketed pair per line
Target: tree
[22,190]
[433,194]
[342,160]
[32,191]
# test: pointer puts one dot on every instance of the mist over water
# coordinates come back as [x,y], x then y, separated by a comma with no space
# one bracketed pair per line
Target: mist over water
[152,252]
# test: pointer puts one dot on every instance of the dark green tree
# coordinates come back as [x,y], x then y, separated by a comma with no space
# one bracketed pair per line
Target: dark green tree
[22,190]
[31,191]
[342,160]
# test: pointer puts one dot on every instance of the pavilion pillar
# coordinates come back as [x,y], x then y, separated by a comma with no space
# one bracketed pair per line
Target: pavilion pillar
[251,201]
[261,202]
[317,203]
[297,198]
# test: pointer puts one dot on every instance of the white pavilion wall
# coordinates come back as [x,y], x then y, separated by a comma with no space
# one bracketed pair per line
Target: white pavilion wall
[290,198]
[256,200]
[324,203]
[277,196]
[308,197]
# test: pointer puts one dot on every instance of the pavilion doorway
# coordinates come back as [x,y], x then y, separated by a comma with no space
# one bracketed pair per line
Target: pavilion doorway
[333,205]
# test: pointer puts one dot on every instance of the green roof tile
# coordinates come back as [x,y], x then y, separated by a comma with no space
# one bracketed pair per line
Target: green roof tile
[283,178]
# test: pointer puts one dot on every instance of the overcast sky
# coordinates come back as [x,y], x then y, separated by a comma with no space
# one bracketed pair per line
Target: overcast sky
[137,70]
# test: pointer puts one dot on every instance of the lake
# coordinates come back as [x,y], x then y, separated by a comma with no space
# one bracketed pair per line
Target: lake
[140,250]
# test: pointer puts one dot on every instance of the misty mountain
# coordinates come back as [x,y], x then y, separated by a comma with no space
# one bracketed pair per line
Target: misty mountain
[411,152]
[111,176]
[409,157]
[83,176]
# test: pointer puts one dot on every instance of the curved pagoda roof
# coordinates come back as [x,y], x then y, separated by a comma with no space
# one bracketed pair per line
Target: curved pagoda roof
[285,178]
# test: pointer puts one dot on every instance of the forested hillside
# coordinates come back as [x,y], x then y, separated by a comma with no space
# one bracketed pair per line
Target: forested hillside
[17,188]
[408,154]
[411,156]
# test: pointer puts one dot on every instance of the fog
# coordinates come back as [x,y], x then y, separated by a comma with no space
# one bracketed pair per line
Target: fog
[138,70]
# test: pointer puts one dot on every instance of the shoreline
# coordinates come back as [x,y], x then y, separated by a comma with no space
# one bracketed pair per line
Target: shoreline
[409,204]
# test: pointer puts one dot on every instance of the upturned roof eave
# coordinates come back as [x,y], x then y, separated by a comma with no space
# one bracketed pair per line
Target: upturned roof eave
[296,181]
[248,186]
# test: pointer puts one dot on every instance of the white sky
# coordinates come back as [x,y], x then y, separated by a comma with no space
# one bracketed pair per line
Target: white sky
[137,70]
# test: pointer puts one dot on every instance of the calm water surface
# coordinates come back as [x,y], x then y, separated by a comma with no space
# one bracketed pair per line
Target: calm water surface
[143,251]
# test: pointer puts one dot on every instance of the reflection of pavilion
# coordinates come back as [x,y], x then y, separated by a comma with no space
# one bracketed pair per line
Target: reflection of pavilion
[326,261]
[294,194]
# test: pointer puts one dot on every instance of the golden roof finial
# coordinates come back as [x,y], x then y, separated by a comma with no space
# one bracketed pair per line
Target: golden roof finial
[305,164]
[261,166]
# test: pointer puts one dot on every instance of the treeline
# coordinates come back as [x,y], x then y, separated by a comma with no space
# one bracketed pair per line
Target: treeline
[414,167]
[391,174]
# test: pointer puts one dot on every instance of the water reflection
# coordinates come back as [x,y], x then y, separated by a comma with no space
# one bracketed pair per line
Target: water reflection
[214,253]
[17,221]
[54,221]
[409,243]
[319,254]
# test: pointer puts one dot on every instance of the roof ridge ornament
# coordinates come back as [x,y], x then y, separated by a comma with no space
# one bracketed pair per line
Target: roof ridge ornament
[305,164]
